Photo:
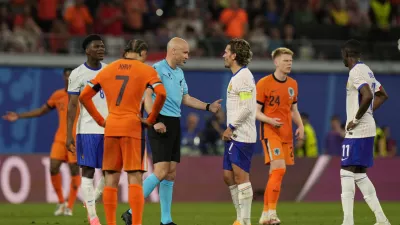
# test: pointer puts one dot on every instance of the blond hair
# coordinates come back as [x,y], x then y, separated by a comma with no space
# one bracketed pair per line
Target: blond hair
[281,51]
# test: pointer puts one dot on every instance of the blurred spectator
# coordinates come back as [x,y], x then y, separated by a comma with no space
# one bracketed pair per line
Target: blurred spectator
[190,135]
[234,20]
[356,17]
[258,39]
[275,39]
[47,13]
[335,137]
[109,17]
[288,37]
[303,14]
[391,145]
[272,15]
[177,24]
[134,12]
[78,18]
[211,143]
[381,13]
[58,38]
[380,143]
[309,146]
[255,11]
[339,14]
[26,33]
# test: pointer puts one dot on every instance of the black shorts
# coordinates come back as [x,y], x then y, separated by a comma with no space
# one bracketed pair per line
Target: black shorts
[166,147]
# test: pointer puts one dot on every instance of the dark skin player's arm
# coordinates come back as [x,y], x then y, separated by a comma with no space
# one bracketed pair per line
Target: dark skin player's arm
[380,97]
[366,99]
[71,114]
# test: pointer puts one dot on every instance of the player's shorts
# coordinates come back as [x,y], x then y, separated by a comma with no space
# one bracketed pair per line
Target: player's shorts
[275,149]
[60,152]
[166,147]
[238,153]
[358,152]
[124,153]
[89,150]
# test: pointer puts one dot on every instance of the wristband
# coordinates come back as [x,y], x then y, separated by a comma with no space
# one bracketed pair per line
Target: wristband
[208,107]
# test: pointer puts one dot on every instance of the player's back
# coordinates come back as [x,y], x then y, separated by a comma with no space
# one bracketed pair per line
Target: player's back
[277,98]
[359,76]
[59,100]
[124,82]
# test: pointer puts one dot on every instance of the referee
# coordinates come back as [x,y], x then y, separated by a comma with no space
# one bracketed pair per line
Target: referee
[165,135]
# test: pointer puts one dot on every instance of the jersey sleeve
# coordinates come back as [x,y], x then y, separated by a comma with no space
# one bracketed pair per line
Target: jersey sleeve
[261,92]
[153,79]
[51,102]
[74,83]
[357,80]
[296,93]
[378,86]
[184,86]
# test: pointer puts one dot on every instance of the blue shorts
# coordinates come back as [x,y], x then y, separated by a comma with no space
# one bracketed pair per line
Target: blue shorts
[238,153]
[89,150]
[358,152]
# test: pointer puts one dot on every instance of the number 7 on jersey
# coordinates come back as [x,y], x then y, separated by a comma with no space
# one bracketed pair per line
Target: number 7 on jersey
[125,80]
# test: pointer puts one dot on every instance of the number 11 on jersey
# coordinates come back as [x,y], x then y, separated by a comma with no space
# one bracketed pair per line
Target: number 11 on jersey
[345,152]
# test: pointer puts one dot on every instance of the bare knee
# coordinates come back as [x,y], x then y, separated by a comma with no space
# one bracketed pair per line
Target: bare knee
[74,169]
[55,167]
[171,175]
[135,177]
[277,164]
[229,178]
[161,170]
[111,179]
[88,172]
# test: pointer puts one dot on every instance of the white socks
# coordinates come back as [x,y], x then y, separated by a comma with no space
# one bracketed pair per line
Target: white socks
[99,189]
[348,192]
[235,200]
[89,196]
[368,190]
[245,198]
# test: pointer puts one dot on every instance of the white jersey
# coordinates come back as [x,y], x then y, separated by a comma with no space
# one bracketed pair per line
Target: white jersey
[359,76]
[78,79]
[241,106]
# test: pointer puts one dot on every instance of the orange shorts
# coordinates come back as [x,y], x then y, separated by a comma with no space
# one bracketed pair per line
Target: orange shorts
[124,153]
[60,152]
[275,149]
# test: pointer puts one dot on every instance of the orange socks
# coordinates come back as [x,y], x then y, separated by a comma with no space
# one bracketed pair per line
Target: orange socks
[57,184]
[73,190]
[136,202]
[266,196]
[110,201]
[273,189]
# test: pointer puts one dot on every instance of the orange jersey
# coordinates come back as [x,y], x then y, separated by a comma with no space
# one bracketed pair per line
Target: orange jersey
[123,82]
[59,100]
[277,98]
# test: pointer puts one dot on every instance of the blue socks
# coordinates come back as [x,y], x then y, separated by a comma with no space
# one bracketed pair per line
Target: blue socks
[149,184]
[166,190]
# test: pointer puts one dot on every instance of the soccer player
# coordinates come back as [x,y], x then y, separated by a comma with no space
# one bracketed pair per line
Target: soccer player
[124,82]
[59,154]
[364,95]
[277,107]
[241,134]
[164,136]
[89,135]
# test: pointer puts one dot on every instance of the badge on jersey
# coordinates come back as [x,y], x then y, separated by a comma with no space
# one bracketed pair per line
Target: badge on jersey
[277,151]
[291,92]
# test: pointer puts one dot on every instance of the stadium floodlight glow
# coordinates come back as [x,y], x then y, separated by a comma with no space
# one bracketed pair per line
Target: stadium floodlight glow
[159,12]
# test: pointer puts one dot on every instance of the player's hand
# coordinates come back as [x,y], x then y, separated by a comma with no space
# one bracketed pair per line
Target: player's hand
[275,122]
[299,133]
[11,116]
[145,122]
[160,128]
[215,106]
[227,135]
[351,126]
[70,144]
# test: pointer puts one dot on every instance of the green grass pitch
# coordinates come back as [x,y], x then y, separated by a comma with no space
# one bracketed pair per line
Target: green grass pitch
[201,214]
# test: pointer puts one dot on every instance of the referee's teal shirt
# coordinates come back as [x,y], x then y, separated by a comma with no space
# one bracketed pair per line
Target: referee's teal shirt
[175,85]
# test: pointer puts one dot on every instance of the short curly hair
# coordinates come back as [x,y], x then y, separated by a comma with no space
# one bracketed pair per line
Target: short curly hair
[242,49]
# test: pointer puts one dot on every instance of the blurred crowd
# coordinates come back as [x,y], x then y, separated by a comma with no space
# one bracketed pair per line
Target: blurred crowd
[206,141]
[58,26]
